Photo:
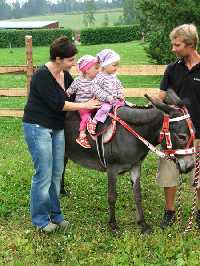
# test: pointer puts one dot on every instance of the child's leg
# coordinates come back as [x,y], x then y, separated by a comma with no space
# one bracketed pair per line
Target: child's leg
[102,113]
[100,116]
[85,115]
[82,139]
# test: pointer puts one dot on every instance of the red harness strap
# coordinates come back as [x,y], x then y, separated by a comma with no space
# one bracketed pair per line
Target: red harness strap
[125,125]
[190,126]
[165,132]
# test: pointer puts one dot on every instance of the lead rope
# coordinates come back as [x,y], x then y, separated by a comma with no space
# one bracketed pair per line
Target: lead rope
[195,184]
[194,202]
[179,199]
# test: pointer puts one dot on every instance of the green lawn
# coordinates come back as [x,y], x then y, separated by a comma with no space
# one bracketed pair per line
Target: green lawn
[75,20]
[132,53]
[88,241]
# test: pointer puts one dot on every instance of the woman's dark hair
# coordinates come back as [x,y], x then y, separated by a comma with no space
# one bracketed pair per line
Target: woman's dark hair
[63,48]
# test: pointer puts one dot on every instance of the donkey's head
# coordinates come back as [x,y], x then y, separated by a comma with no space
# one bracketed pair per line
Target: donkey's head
[177,133]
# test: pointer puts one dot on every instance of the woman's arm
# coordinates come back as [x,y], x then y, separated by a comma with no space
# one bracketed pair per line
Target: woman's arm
[91,104]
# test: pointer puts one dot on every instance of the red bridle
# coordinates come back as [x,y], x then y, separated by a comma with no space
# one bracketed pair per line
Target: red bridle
[165,133]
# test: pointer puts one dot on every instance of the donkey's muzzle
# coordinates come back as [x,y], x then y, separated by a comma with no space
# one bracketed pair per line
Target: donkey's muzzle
[185,164]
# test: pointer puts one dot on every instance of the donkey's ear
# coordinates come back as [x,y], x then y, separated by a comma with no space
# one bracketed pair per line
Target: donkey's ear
[172,98]
[159,104]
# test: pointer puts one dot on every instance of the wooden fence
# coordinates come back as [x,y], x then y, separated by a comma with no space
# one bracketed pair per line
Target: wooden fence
[28,69]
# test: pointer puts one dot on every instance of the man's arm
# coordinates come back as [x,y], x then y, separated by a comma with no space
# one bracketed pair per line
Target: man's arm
[161,95]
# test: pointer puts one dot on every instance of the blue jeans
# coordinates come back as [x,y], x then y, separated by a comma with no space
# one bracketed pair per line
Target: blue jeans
[47,148]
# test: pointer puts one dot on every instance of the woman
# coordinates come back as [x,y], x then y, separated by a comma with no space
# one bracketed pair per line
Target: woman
[43,123]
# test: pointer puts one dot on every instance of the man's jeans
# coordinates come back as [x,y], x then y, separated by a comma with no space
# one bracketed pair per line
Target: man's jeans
[47,148]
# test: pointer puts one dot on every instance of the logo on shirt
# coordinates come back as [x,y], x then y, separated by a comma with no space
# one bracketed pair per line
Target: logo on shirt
[197,79]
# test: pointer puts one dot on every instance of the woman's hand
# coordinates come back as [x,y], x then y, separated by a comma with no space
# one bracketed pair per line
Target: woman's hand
[92,104]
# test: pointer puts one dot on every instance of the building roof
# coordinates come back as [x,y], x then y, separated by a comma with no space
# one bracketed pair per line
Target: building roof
[24,24]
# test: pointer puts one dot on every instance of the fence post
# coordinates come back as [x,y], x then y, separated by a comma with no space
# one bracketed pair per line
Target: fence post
[29,61]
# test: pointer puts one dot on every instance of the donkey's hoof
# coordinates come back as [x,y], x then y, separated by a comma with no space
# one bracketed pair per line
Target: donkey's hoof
[146,229]
[113,228]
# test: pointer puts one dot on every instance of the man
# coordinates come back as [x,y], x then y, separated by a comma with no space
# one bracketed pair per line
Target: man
[183,76]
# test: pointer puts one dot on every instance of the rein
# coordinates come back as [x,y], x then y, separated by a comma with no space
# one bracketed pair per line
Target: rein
[137,135]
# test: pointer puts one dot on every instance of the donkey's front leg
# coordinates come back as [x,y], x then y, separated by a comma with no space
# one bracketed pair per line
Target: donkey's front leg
[135,180]
[112,197]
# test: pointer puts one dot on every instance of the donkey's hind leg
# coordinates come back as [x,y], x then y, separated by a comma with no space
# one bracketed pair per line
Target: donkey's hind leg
[135,180]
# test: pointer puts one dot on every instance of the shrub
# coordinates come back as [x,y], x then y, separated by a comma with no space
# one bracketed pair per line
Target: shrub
[42,37]
[160,47]
[110,34]
[157,19]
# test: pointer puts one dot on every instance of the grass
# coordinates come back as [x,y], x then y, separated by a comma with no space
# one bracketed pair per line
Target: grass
[75,20]
[132,53]
[88,241]
[12,102]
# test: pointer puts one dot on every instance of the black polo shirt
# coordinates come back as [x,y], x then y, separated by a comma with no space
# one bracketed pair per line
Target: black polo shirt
[46,99]
[186,83]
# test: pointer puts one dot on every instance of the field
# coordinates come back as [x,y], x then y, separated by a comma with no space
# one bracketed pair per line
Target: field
[88,240]
[75,20]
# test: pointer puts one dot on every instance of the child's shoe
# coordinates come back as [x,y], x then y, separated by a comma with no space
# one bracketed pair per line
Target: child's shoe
[83,141]
[91,127]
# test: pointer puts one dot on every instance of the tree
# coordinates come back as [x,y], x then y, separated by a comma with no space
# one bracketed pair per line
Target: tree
[35,7]
[129,11]
[106,20]
[159,17]
[90,8]
[5,10]
[16,10]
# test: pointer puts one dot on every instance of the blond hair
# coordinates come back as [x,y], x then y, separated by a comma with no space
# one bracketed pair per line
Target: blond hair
[188,33]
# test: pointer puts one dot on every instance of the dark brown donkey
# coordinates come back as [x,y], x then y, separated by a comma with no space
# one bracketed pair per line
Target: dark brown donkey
[125,152]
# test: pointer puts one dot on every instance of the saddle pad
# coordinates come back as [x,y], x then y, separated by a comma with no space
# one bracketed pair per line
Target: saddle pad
[107,134]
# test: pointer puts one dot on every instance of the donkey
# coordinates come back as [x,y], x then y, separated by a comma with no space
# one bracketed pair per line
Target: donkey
[126,153]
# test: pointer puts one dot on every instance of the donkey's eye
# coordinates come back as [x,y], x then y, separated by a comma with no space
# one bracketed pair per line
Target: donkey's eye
[183,137]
